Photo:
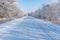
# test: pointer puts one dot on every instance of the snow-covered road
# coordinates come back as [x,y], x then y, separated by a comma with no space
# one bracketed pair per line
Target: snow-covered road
[29,28]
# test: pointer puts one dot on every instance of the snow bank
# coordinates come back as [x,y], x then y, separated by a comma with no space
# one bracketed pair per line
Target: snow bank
[29,28]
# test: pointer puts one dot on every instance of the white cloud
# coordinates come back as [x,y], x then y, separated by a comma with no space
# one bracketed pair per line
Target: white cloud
[55,1]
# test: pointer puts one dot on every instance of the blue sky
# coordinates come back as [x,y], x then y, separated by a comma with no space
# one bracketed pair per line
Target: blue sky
[32,5]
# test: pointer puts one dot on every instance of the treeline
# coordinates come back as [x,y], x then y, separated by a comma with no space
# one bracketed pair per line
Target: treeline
[9,10]
[50,12]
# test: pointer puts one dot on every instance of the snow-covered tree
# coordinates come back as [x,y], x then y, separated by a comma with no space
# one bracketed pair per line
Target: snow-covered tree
[50,12]
[9,9]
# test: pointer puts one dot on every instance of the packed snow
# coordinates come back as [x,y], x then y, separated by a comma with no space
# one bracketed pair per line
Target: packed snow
[29,28]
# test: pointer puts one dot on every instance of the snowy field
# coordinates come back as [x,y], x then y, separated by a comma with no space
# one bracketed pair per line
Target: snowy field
[29,28]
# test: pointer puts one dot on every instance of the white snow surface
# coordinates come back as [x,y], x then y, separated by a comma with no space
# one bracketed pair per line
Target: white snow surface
[29,28]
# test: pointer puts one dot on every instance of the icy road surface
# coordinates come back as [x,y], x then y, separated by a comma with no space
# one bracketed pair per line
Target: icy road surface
[29,28]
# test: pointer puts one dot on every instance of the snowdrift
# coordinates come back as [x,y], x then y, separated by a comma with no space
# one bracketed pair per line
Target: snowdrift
[29,28]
